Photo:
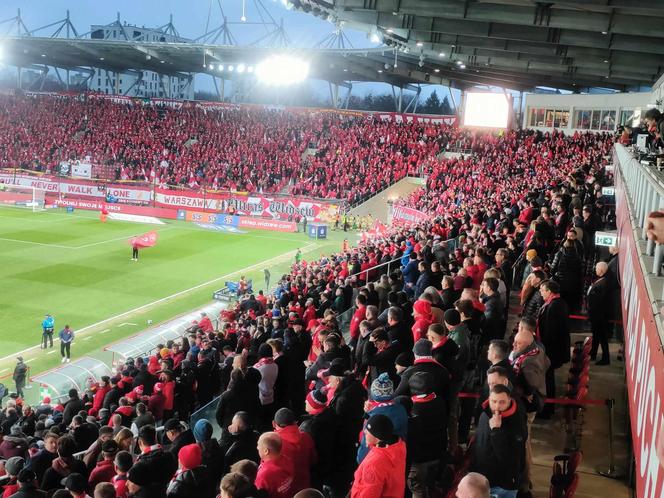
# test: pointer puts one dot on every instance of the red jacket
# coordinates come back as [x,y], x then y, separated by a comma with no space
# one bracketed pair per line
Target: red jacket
[382,474]
[299,448]
[420,328]
[103,472]
[169,395]
[98,400]
[359,315]
[276,477]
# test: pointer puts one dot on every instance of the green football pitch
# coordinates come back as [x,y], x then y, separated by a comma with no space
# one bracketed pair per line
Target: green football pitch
[80,270]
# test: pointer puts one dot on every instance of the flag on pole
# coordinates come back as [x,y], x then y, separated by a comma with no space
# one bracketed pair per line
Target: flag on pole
[148,239]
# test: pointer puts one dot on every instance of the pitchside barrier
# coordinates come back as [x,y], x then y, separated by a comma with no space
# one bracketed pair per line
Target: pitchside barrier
[145,343]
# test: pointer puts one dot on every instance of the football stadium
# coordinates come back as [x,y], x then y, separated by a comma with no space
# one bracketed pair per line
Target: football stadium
[331,248]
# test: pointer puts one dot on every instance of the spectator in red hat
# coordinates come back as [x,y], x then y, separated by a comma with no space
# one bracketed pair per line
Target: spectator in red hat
[191,479]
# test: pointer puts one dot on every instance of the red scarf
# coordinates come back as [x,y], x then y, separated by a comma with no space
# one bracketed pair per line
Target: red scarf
[517,363]
[264,361]
[423,398]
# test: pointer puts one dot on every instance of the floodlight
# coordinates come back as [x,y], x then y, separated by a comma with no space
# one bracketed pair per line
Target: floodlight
[462,66]
[419,44]
[375,38]
[211,66]
[241,68]
[221,67]
[282,70]
[250,69]
[230,68]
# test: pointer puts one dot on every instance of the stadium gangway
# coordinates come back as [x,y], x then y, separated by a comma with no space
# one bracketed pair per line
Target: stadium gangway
[79,374]
[144,343]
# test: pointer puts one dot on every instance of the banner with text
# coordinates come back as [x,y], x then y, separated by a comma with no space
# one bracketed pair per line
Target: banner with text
[406,215]
[644,360]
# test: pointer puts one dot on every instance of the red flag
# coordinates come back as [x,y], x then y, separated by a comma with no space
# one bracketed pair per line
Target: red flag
[148,239]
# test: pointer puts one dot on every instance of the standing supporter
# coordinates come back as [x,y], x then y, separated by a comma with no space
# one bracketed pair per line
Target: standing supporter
[358,316]
[438,376]
[276,473]
[191,480]
[423,318]
[296,446]
[599,302]
[63,465]
[500,442]
[178,435]
[13,467]
[473,485]
[211,454]
[105,470]
[238,441]
[382,473]
[28,485]
[553,333]
[427,435]
[530,364]
[41,461]
[159,465]
[269,371]
[122,463]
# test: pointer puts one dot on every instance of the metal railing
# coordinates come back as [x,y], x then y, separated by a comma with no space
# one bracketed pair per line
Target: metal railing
[645,193]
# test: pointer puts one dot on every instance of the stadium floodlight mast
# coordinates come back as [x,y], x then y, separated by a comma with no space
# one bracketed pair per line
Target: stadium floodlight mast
[281,70]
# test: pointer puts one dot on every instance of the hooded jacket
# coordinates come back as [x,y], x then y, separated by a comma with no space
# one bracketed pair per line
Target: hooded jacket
[194,483]
[299,448]
[382,474]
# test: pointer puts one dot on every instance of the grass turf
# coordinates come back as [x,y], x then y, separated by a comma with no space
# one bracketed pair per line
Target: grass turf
[80,271]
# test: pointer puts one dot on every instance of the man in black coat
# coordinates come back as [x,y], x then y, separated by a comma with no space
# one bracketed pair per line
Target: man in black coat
[397,330]
[348,405]
[500,438]
[427,434]
[438,377]
[28,486]
[178,436]
[553,331]
[239,442]
[72,407]
[160,465]
[599,304]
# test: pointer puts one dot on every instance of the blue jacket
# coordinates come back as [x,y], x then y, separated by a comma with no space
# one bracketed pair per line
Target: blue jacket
[48,323]
[397,414]
[66,335]
[410,272]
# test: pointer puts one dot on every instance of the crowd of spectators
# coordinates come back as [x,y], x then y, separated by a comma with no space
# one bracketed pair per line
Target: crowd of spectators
[305,408]
[247,149]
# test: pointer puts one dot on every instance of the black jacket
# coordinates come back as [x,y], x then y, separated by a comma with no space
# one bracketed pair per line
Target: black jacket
[162,466]
[438,378]
[194,483]
[183,439]
[427,429]
[322,429]
[499,453]
[72,407]
[401,334]
[598,301]
[40,462]
[567,269]
[553,327]
[533,304]
[236,447]
[29,491]
[446,354]
[381,362]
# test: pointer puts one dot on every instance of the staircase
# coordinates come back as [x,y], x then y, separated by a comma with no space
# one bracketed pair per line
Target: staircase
[378,205]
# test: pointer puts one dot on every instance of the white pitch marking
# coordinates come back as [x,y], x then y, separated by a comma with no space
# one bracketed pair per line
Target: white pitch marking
[126,323]
[104,331]
[261,264]
[51,352]
[36,243]
[87,338]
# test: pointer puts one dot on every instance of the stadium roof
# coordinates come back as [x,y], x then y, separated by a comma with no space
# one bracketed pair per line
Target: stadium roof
[181,59]
[516,43]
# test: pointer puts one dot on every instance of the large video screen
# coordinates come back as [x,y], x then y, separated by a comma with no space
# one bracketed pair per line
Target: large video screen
[486,110]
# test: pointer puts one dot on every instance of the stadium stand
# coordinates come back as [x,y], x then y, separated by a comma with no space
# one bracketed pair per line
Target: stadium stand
[391,339]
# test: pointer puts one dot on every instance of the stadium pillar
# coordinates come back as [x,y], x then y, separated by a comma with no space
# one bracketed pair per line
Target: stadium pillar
[117,83]
[18,78]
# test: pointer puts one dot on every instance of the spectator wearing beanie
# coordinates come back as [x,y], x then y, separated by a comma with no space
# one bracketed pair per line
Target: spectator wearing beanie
[14,444]
[438,376]
[212,456]
[105,470]
[381,401]
[13,467]
[191,480]
[427,435]
[403,361]
[296,446]
[28,485]
[276,473]
[141,484]
[76,484]
[322,427]
[382,474]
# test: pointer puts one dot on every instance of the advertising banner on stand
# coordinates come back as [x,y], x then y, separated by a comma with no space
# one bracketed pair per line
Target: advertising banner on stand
[405,215]
[644,359]
[81,170]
